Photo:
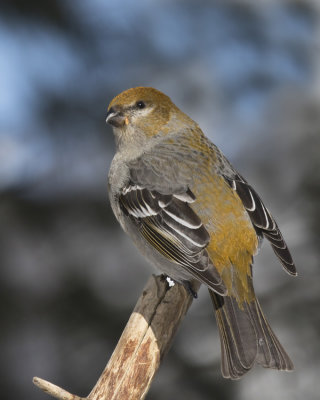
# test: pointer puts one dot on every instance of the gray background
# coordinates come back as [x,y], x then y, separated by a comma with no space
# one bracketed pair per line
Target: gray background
[248,73]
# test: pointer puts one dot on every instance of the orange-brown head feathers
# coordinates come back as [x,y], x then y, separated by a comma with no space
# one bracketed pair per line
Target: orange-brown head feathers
[141,113]
[149,95]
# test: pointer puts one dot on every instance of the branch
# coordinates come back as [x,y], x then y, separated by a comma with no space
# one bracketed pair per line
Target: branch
[55,391]
[142,345]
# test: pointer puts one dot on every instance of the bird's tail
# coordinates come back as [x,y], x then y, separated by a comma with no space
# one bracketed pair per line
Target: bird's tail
[246,338]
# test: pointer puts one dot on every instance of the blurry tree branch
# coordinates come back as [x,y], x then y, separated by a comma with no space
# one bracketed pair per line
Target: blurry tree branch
[142,345]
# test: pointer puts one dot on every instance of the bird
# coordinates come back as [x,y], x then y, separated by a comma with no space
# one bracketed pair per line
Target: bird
[195,218]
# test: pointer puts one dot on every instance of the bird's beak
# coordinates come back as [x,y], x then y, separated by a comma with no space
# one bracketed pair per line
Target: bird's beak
[116,118]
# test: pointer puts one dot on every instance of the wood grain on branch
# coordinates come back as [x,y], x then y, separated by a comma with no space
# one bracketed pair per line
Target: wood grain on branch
[142,345]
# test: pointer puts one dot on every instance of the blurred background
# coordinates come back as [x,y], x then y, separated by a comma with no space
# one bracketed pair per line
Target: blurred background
[249,74]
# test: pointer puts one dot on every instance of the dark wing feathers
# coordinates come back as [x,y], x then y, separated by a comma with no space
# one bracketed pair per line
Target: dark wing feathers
[253,204]
[263,221]
[170,225]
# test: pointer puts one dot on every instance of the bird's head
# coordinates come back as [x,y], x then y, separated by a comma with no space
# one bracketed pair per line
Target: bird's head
[139,114]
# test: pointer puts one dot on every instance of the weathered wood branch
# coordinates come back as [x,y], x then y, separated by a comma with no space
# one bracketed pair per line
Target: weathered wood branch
[142,345]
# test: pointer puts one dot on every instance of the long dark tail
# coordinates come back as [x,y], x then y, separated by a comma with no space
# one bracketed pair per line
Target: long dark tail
[246,338]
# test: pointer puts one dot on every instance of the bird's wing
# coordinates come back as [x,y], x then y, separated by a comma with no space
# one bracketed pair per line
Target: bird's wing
[262,220]
[169,224]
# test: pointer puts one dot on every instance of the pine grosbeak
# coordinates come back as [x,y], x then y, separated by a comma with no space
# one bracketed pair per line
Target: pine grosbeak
[195,217]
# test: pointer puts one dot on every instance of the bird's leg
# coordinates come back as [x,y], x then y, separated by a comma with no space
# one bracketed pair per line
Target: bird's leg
[190,289]
[186,284]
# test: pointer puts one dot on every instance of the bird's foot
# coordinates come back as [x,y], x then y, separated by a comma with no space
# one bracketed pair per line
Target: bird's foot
[190,289]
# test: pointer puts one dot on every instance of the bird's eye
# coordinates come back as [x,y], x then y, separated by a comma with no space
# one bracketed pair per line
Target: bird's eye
[140,104]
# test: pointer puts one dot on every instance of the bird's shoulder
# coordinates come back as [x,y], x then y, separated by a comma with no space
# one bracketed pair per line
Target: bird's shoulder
[171,163]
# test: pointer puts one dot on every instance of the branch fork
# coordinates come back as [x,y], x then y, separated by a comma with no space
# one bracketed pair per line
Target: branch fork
[145,340]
